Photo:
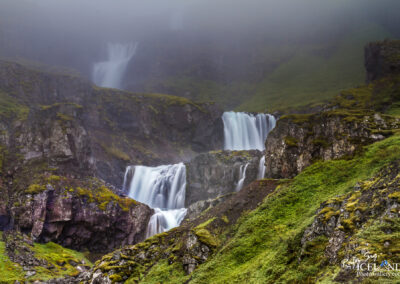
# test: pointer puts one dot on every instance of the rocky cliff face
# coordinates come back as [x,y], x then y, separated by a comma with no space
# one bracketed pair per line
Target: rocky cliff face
[217,173]
[184,247]
[286,239]
[340,129]
[73,125]
[298,140]
[343,126]
[76,214]
[360,227]
[382,59]
[59,125]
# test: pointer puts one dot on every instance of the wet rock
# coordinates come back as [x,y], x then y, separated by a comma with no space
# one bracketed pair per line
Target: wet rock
[78,221]
[298,140]
[214,174]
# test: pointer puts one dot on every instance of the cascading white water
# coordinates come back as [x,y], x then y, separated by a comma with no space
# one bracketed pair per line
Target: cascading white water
[242,176]
[164,220]
[261,168]
[243,131]
[110,73]
[162,188]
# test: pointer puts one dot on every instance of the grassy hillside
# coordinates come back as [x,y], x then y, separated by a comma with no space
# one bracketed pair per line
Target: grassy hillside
[60,261]
[283,74]
[309,77]
[262,249]
[264,246]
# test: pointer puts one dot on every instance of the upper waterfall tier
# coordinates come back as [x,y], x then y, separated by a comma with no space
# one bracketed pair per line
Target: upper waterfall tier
[110,73]
[244,131]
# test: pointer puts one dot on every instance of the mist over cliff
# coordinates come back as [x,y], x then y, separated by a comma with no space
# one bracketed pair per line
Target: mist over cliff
[66,32]
[242,55]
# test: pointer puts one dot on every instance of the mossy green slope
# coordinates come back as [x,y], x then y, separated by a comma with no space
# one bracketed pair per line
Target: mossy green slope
[310,78]
[265,242]
[299,74]
[59,261]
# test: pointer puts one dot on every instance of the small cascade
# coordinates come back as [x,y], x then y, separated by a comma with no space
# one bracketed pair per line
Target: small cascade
[162,188]
[110,73]
[261,168]
[164,220]
[242,176]
[244,131]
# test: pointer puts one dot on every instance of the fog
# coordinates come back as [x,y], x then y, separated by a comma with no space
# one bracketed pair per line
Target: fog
[74,33]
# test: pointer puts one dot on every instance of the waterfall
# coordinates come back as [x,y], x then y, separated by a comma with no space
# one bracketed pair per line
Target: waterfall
[243,131]
[242,176]
[110,73]
[164,220]
[162,188]
[261,168]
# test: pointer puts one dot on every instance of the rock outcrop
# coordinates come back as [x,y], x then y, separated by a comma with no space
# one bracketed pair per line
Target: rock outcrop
[32,261]
[382,59]
[87,130]
[360,226]
[214,174]
[79,215]
[187,246]
[300,139]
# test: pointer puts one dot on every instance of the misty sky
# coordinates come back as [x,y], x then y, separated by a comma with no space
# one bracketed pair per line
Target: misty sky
[72,31]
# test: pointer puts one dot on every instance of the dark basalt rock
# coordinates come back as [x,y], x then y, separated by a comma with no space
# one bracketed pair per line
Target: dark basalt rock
[214,174]
[80,218]
[382,59]
[342,220]
[84,130]
[298,140]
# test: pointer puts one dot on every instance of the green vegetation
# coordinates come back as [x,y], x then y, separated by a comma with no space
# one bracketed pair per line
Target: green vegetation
[291,141]
[10,108]
[162,272]
[116,152]
[261,249]
[61,258]
[57,105]
[298,74]
[35,188]
[9,271]
[309,78]
[59,261]
[93,190]
[103,196]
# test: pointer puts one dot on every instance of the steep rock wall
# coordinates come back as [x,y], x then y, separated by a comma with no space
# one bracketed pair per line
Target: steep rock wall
[298,140]
[216,173]
[76,214]
[64,119]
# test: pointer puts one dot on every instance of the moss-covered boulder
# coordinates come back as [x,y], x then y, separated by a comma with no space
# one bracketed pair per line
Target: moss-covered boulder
[79,214]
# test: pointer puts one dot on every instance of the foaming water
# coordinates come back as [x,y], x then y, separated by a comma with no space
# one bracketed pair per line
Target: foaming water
[162,188]
[110,73]
[261,168]
[242,176]
[164,220]
[244,131]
